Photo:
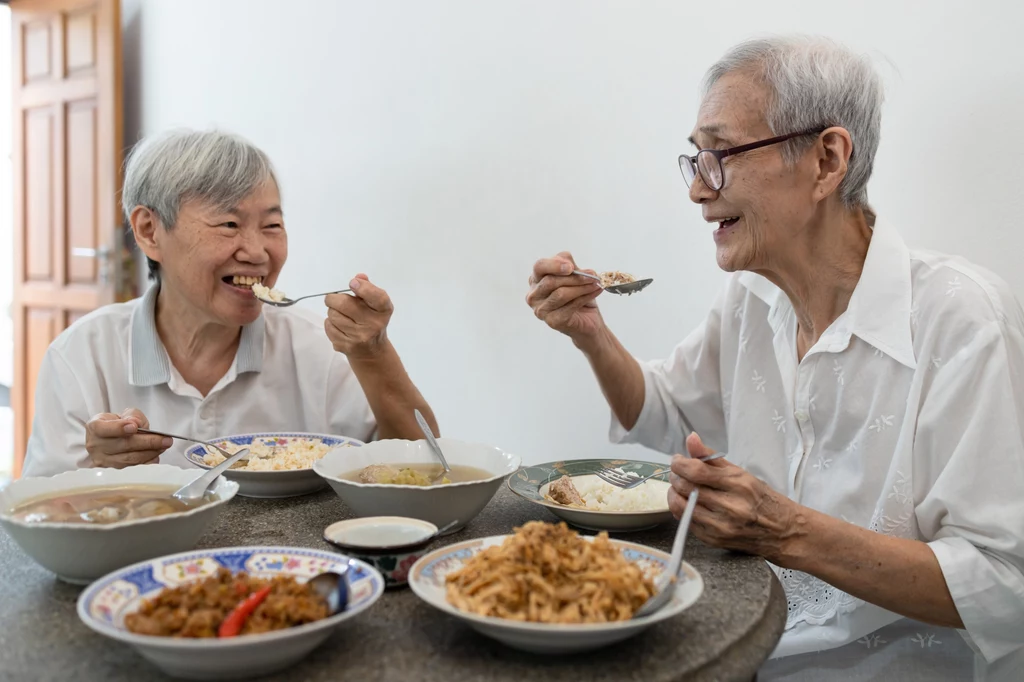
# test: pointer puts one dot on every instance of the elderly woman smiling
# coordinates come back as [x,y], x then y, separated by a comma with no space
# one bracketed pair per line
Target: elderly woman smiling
[198,354]
[869,395]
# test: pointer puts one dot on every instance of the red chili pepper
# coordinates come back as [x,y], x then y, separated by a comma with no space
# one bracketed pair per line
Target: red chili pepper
[232,624]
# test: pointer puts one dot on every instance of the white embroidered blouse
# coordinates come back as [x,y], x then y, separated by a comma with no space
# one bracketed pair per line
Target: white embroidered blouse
[905,418]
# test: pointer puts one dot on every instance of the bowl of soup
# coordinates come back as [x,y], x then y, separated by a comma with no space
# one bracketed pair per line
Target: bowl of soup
[403,478]
[86,523]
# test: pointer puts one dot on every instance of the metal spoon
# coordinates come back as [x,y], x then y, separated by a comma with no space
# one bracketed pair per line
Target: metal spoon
[196,490]
[666,581]
[333,587]
[425,427]
[629,288]
[292,301]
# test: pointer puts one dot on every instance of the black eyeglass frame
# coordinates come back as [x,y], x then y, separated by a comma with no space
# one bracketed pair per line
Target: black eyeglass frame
[693,163]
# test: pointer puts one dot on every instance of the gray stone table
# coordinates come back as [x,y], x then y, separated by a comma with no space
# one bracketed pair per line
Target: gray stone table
[726,635]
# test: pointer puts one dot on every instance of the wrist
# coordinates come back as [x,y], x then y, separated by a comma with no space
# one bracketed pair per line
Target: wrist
[593,345]
[376,352]
[799,534]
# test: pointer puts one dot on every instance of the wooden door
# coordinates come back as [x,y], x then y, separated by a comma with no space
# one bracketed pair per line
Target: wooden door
[66,74]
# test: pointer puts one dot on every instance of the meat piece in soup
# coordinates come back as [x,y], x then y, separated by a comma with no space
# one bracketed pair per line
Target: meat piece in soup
[414,474]
[104,505]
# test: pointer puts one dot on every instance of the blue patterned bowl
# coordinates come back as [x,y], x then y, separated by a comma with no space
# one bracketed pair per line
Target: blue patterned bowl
[104,604]
[272,484]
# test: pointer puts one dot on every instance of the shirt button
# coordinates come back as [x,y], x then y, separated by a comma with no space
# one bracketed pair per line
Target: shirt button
[204,413]
[801,416]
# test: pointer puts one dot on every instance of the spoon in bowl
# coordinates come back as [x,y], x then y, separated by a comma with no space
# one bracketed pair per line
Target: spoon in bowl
[425,427]
[196,490]
[667,580]
[627,288]
[333,587]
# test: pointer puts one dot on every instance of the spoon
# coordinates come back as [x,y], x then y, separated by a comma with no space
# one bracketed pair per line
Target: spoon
[333,587]
[425,427]
[284,303]
[218,448]
[666,581]
[196,490]
[628,288]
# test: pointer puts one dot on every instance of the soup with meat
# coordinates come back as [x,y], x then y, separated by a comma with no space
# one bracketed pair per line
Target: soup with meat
[415,474]
[104,505]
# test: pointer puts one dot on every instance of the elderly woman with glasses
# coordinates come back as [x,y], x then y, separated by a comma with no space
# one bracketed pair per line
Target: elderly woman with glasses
[199,354]
[869,396]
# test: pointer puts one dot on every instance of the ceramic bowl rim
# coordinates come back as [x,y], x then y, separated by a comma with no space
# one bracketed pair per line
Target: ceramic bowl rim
[512,467]
[190,452]
[383,550]
[214,643]
[224,489]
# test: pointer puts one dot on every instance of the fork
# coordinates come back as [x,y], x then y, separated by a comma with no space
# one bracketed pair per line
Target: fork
[627,482]
[292,301]
[218,448]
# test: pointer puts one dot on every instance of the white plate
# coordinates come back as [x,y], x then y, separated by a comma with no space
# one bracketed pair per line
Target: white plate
[272,484]
[532,482]
[427,580]
[105,603]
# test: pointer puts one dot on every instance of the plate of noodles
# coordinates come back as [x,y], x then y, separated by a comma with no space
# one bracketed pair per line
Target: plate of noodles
[547,590]
[280,464]
[573,492]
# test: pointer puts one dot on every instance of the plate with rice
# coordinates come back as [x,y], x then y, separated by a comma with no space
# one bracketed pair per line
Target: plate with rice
[572,491]
[280,464]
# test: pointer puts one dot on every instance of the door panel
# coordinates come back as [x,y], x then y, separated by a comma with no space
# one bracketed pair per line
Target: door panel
[67,174]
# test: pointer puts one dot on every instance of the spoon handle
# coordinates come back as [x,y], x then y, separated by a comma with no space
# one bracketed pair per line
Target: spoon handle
[197,488]
[326,293]
[676,559]
[587,274]
[190,440]
[425,427]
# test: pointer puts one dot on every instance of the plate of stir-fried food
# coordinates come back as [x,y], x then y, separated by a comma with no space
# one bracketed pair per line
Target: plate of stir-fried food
[546,589]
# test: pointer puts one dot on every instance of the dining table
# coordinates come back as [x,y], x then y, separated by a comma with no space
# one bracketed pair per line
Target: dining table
[726,635]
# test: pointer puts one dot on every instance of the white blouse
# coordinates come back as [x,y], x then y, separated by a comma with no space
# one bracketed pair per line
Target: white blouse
[286,376]
[904,418]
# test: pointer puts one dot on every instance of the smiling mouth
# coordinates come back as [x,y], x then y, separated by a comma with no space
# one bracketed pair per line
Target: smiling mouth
[242,281]
[728,222]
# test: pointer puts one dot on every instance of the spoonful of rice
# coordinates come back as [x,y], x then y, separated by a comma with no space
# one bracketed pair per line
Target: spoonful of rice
[276,298]
[615,282]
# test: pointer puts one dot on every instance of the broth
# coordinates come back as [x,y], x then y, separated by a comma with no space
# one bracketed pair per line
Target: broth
[414,474]
[103,505]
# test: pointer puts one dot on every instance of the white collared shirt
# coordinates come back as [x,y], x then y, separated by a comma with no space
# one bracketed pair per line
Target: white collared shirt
[286,376]
[904,418]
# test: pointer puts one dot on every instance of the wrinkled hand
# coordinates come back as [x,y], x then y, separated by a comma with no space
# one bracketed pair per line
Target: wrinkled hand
[735,510]
[357,324]
[113,440]
[566,302]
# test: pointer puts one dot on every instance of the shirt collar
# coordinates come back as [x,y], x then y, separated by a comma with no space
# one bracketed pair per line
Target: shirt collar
[879,312]
[148,363]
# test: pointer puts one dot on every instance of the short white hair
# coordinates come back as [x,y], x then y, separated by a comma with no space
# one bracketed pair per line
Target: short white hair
[813,83]
[180,165]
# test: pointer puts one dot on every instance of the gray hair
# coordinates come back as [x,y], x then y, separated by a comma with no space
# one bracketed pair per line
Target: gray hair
[179,165]
[814,82]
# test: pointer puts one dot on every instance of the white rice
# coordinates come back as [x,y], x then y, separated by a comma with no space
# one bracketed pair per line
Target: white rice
[601,496]
[266,293]
[299,453]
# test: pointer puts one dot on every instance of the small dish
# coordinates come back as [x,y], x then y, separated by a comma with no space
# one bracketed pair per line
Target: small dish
[271,484]
[428,581]
[391,544]
[532,483]
[104,605]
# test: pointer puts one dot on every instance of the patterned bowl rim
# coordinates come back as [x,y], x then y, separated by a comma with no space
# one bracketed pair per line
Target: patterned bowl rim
[514,466]
[192,453]
[225,489]
[553,470]
[673,608]
[90,593]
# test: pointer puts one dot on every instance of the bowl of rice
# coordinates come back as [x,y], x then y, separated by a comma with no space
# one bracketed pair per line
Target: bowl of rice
[572,491]
[280,464]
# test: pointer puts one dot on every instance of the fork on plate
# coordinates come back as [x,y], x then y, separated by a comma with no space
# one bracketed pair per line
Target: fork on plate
[620,479]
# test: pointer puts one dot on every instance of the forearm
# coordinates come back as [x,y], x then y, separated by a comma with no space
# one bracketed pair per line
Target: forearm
[897,574]
[391,394]
[619,375]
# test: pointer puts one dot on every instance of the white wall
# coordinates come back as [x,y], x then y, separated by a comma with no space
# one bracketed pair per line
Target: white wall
[442,147]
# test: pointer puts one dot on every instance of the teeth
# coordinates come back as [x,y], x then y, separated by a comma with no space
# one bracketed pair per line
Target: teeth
[245,281]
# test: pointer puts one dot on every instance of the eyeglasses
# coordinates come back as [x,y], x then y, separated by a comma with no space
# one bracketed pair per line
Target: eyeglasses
[708,162]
